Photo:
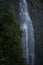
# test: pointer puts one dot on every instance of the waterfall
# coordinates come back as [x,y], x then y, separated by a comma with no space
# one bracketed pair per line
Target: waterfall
[28,32]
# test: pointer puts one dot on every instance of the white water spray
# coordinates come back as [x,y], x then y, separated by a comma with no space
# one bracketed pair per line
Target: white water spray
[28,32]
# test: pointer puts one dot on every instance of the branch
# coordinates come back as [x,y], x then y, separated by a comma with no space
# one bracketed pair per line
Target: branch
[35,4]
[4,58]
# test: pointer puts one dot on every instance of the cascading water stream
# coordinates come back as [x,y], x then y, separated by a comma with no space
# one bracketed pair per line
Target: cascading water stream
[28,32]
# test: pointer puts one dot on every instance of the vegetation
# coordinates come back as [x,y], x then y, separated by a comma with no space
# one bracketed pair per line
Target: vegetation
[10,37]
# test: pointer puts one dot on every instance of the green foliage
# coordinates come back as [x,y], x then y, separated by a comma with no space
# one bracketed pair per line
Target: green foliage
[10,38]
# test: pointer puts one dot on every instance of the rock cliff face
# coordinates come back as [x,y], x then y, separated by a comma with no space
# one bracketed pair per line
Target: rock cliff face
[35,8]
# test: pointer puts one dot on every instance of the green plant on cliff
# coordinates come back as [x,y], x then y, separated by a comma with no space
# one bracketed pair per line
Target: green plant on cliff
[10,37]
